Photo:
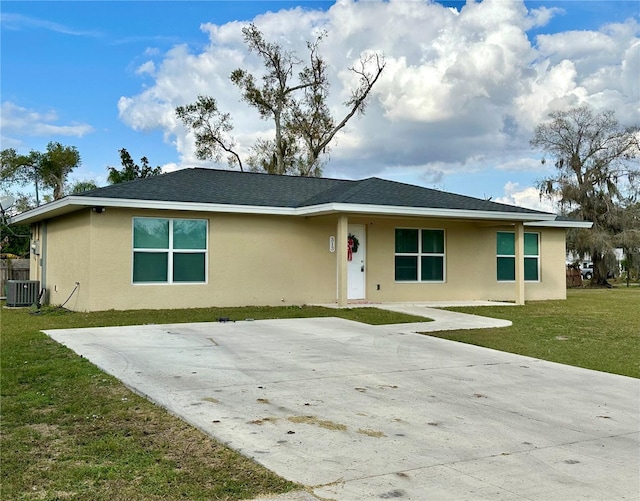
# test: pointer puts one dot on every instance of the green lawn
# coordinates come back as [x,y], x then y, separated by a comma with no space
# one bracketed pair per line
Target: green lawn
[594,328]
[70,431]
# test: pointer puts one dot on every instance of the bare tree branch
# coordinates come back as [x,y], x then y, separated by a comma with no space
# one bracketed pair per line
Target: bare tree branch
[302,121]
[211,129]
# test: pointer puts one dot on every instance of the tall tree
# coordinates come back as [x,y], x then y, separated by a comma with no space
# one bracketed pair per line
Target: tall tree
[49,169]
[20,169]
[82,186]
[296,103]
[595,179]
[130,170]
[15,238]
[56,165]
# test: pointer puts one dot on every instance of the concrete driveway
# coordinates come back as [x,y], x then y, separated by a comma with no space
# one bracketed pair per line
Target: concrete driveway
[360,412]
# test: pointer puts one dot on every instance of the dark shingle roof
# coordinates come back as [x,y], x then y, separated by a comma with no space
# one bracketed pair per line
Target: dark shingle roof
[254,189]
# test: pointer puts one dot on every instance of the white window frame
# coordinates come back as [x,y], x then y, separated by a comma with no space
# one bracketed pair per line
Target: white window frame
[170,251]
[421,254]
[526,256]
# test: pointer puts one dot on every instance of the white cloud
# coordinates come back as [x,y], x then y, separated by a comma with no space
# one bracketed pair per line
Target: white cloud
[22,121]
[18,22]
[600,68]
[528,197]
[152,52]
[542,15]
[170,167]
[459,85]
[148,68]
[523,165]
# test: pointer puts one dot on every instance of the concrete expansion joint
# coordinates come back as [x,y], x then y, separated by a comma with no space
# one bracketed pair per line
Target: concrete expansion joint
[586,440]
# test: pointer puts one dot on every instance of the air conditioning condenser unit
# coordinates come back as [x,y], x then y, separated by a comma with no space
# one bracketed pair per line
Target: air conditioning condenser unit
[22,292]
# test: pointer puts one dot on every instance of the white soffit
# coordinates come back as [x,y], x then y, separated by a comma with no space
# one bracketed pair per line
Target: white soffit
[559,224]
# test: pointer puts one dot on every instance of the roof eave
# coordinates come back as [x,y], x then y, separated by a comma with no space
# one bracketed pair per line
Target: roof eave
[52,209]
[391,210]
[73,203]
[560,224]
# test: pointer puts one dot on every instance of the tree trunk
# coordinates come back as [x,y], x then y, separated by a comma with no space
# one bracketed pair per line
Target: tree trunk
[599,271]
[279,168]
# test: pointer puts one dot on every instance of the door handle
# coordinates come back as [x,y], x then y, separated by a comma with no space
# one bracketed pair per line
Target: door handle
[362,268]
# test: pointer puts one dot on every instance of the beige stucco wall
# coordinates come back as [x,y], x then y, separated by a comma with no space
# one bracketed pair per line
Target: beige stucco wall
[269,260]
[470,262]
[252,260]
[65,257]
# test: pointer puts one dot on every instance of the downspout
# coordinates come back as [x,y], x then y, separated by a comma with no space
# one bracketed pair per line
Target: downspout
[519,258]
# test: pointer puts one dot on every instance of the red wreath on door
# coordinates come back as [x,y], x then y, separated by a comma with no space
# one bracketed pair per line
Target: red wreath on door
[350,244]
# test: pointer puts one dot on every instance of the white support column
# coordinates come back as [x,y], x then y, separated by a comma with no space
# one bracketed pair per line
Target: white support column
[519,234]
[341,256]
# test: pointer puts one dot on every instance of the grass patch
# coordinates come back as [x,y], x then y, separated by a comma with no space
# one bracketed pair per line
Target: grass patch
[594,328]
[375,316]
[70,431]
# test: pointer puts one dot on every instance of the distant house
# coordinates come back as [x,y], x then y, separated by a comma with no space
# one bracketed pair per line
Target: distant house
[203,237]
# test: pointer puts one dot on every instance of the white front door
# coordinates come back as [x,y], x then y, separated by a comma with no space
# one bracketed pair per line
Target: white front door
[356,262]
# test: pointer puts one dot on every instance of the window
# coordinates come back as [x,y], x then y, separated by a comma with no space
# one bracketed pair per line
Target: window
[419,255]
[506,256]
[169,250]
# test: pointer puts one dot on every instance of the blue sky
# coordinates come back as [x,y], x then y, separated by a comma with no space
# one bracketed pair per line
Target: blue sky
[461,95]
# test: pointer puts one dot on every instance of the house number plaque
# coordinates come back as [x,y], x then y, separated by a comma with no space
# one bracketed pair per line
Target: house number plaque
[332,243]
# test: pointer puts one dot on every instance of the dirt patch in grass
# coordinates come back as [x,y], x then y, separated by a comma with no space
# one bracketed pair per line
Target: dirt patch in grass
[44,429]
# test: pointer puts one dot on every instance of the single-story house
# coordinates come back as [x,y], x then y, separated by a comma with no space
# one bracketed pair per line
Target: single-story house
[203,237]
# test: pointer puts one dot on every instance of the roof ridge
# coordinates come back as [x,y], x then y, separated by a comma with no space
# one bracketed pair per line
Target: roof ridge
[266,174]
[336,184]
[360,184]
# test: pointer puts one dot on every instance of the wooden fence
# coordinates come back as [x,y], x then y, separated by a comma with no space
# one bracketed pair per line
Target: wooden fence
[12,269]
